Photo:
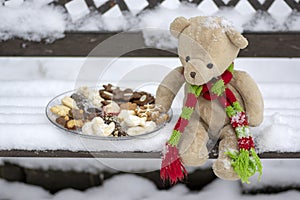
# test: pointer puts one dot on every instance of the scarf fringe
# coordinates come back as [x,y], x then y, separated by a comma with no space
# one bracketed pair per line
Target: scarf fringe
[245,163]
[172,167]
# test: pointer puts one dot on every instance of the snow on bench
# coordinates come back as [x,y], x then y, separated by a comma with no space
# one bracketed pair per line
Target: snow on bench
[27,84]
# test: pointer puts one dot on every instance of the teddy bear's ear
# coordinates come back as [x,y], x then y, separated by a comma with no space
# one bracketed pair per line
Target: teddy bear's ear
[236,38]
[178,25]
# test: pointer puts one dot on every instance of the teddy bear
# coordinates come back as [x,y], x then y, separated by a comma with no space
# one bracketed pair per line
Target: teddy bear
[219,102]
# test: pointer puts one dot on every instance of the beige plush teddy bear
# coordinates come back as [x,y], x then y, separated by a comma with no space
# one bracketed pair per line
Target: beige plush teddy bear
[219,101]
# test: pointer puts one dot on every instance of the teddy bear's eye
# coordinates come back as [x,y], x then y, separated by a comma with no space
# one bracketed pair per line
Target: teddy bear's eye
[187,59]
[209,65]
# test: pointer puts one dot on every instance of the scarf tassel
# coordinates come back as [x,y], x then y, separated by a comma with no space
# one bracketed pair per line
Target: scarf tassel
[172,166]
[245,163]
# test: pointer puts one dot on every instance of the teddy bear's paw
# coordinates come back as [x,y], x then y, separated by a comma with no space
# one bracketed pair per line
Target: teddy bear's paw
[195,158]
[223,169]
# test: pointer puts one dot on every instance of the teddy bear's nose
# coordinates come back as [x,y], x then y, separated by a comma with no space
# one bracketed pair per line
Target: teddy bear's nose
[193,74]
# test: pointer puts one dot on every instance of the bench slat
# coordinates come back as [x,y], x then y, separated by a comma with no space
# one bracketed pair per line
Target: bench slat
[261,44]
[110,154]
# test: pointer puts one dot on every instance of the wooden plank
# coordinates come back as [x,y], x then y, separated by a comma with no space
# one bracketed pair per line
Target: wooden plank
[110,154]
[261,44]
[77,154]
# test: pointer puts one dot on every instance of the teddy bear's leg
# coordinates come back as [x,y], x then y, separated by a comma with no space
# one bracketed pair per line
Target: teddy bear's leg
[222,166]
[193,150]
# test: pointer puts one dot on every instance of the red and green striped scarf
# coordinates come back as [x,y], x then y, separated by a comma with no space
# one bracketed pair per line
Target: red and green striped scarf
[245,162]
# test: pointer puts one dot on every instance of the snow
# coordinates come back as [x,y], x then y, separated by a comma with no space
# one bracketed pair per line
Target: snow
[276,173]
[126,186]
[77,9]
[13,3]
[98,3]
[8,191]
[37,20]
[24,95]
[32,22]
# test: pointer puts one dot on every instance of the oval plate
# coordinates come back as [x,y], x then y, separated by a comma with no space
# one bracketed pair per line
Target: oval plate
[52,117]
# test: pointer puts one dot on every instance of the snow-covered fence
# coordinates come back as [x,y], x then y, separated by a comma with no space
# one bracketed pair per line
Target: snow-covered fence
[104,6]
[272,27]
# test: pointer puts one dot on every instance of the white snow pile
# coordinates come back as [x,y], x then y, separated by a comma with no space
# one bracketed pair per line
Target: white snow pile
[36,20]
[157,24]
[32,21]
[276,174]
[123,187]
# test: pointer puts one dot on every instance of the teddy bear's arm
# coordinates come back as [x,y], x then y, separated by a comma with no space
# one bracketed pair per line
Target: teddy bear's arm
[253,101]
[169,87]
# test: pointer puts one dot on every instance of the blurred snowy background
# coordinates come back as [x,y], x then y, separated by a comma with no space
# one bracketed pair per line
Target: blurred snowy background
[27,84]
[41,19]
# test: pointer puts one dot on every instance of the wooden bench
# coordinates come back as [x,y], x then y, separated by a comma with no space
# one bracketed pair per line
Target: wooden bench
[262,44]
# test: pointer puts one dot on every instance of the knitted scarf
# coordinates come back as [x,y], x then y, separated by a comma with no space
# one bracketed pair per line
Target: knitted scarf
[245,161]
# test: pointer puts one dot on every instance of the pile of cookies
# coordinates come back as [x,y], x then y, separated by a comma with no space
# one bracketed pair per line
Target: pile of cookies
[110,111]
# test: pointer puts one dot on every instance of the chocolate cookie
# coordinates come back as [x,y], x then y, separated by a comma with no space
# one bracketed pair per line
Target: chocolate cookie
[142,98]
[111,92]
[109,88]
[118,132]
[106,95]
[80,100]
[122,95]
[76,114]
[62,120]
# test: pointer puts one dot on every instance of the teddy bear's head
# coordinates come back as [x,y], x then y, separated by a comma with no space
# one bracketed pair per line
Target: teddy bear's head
[206,46]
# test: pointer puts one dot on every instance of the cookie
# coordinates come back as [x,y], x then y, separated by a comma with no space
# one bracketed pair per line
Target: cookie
[118,131]
[60,110]
[142,98]
[74,124]
[62,120]
[112,108]
[146,111]
[99,126]
[109,88]
[81,101]
[76,114]
[92,96]
[138,130]
[91,113]
[128,106]
[132,120]
[111,92]
[122,95]
[106,95]
[69,102]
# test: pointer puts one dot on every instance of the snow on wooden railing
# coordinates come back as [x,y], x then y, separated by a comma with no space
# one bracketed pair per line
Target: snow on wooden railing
[80,25]
[107,5]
